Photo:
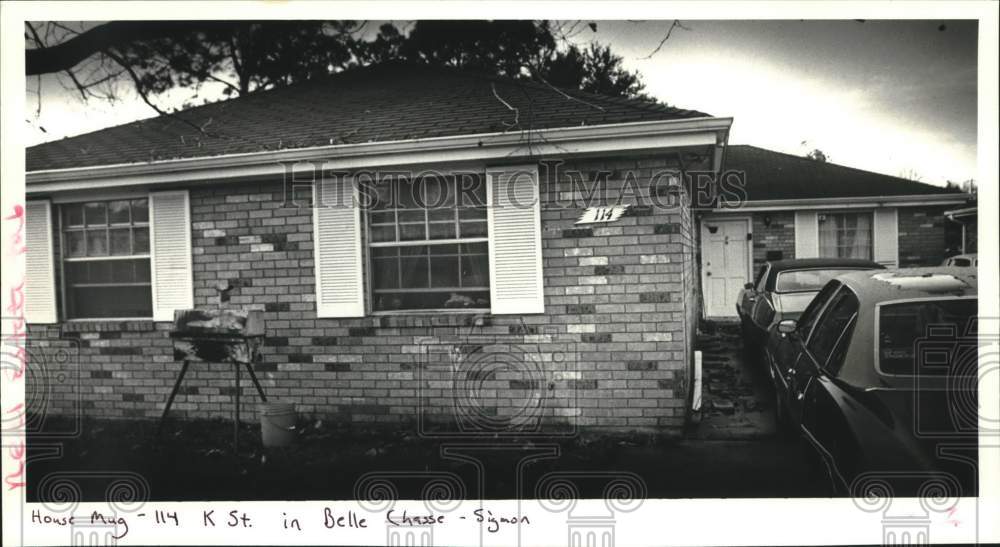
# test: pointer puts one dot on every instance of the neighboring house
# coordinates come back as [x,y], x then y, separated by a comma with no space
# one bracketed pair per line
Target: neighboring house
[967,218]
[795,207]
[128,224]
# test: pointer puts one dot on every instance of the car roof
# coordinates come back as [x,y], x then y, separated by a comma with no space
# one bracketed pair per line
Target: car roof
[908,283]
[799,263]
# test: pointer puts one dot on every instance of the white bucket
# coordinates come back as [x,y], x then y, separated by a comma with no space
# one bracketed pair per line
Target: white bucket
[277,424]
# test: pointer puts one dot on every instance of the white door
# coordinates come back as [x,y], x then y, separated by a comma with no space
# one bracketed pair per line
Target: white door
[725,263]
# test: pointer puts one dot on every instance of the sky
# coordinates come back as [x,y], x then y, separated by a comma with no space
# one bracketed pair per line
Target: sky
[895,97]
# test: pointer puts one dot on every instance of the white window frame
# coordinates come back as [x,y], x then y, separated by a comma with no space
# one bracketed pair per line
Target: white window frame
[871,216]
[368,244]
[63,258]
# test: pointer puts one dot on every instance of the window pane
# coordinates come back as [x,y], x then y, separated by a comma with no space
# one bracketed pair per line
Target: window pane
[475,271]
[385,273]
[76,272]
[383,218]
[441,214]
[122,271]
[412,216]
[407,195]
[96,214]
[903,331]
[474,248]
[118,212]
[431,300]
[100,272]
[473,229]
[140,240]
[410,232]
[383,233]
[414,268]
[441,230]
[829,328]
[472,213]
[382,194]
[437,193]
[121,241]
[73,214]
[444,271]
[806,280]
[75,244]
[97,242]
[473,190]
[142,271]
[140,210]
[97,302]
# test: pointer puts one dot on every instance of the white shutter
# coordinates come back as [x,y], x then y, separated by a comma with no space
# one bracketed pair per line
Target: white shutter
[39,278]
[170,251]
[514,217]
[885,237]
[806,234]
[337,244]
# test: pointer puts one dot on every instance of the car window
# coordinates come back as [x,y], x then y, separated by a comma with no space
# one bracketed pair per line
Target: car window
[812,311]
[806,280]
[961,262]
[836,360]
[834,322]
[904,327]
[761,276]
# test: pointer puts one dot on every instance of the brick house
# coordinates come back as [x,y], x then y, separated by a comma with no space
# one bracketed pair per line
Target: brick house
[370,297]
[786,206]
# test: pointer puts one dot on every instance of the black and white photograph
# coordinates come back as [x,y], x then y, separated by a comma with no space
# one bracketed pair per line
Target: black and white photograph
[514,274]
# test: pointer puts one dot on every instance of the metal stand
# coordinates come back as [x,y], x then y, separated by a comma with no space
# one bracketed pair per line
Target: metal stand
[236,398]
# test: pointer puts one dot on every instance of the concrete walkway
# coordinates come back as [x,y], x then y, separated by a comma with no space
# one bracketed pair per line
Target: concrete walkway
[737,398]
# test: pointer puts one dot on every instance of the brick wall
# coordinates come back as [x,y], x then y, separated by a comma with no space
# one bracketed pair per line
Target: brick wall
[924,238]
[612,349]
[773,237]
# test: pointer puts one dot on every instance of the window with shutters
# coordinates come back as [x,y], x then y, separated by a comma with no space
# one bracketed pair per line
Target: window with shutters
[106,259]
[429,244]
[845,235]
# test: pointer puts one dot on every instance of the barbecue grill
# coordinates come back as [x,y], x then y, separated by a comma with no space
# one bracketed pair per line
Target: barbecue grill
[218,336]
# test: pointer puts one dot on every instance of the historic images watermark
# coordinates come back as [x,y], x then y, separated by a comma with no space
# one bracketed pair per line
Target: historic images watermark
[50,370]
[309,184]
[951,362]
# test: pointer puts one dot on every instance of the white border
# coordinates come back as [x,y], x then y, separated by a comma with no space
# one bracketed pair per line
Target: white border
[682,522]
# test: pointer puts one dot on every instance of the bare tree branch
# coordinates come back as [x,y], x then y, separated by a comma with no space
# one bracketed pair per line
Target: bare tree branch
[675,24]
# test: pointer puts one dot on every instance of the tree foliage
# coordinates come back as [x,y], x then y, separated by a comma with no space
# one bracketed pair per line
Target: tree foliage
[245,56]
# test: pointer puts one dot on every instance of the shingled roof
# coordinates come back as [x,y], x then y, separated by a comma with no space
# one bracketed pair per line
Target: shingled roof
[387,102]
[774,175]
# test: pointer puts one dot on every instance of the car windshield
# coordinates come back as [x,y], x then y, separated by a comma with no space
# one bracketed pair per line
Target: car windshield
[922,337]
[806,280]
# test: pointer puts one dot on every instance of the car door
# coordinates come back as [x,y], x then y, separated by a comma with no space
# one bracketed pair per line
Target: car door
[786,349]
[820,399]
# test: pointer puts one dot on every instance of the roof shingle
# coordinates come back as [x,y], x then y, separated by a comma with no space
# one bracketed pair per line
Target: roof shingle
[774,175]
[387,102]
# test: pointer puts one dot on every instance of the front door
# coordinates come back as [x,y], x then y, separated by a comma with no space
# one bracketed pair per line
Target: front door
[725,263]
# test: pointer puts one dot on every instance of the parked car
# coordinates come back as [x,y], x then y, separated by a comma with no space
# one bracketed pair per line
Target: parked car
[880,370]
[962,261]
[782,290]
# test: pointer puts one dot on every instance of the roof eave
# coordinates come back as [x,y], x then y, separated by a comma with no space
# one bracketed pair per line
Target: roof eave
[858,202]
[636,136]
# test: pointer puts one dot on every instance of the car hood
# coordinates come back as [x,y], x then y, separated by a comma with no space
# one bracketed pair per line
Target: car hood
[791,305]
